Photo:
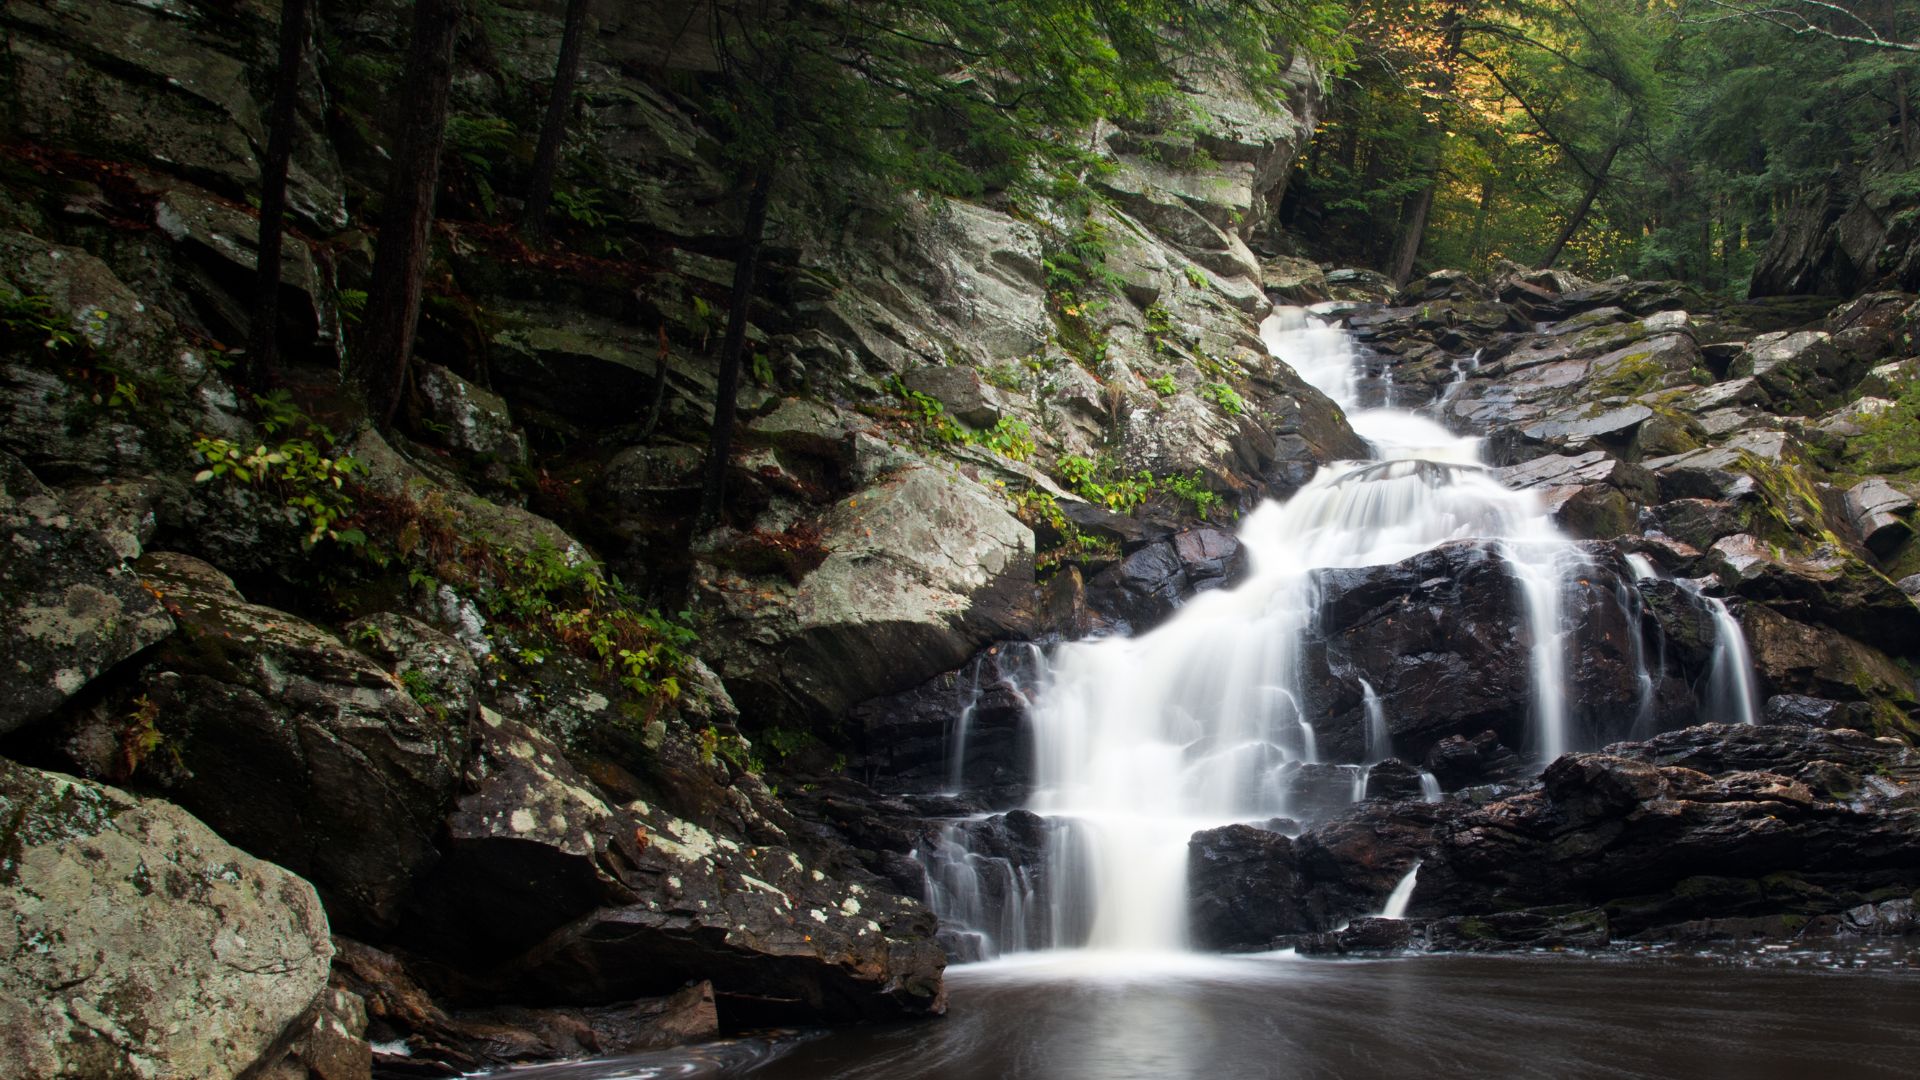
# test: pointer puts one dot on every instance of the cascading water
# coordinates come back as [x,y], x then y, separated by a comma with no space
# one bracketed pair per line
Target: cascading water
[1140,742]
[1730,697]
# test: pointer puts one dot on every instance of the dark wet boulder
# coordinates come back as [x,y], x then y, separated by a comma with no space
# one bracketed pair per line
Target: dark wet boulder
[908,742]
[1827,584]
[418,1036]
[1457,761]
[781,941]
[146,946]
[1213,558]
[290,744]
[1245,887]
[71,609]
[1795,657]
[529,846]
[1799,709]
[1655,843]
[1141,590]
[1393,779]
[1444,640]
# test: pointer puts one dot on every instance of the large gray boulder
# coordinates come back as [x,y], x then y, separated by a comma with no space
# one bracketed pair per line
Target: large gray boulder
[142,945]
[71,608]
[920,569]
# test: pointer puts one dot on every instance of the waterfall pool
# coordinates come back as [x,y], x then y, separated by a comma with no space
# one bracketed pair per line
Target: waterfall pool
[1117,1016]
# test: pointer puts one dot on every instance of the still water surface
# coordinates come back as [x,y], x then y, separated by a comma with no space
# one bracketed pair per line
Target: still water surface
[1081,1016]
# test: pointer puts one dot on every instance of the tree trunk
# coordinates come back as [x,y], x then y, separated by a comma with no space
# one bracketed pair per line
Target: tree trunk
[553,130]
[400,262]
[1413,233]
[1595,182]
[733,347]
[263,334]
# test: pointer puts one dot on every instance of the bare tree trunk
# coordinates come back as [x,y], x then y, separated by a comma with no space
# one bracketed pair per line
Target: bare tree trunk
[1595,182]
[746,266]
[1413,233]
[263,335]
[553,130]
[400,262]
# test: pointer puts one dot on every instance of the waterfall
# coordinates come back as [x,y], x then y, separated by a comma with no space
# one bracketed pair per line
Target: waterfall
[1402,894]
[1730,694]
[1141,742]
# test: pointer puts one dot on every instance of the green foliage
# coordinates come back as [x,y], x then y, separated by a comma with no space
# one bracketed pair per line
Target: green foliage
[1163,385]
[1010,438]
[1228,399]
[30,320]
[1196,277]
[1101,482]
[1193,491]
[1042,512]
[480,143]
[301,468]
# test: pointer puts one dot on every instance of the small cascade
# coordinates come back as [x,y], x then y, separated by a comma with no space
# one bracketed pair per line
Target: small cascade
[1461,369]
[1429,786]
[957,741]
[1379,743]
[1730,696]
[1402,894]
[987,899]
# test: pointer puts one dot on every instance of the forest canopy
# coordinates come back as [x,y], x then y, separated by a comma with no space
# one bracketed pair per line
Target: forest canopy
[1657,138]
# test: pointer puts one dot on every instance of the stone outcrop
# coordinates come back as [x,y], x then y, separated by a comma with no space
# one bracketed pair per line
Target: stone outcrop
[144,944]
[72,609]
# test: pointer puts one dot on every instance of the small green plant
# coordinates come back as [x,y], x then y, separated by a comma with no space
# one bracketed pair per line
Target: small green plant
[310,480]
[1164,386]
[1100,482]
[27,319]
[1229,401]
[1010,438]
[353,304]
[1193,491]
[585,208]
[1196,277]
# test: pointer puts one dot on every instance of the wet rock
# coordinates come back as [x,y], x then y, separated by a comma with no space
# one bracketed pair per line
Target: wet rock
[147,945]
[1141,590]
[1818,712]
[1245,888]
[1212,558]
[1791,656]
[1798,372]
[1878,512]
[332,1045]
[291,744]
[474,422]
[906,741]
[71,608]
[1393,779]
[781,942]
[961,391]
[1825,585]
[1443,639]
[1457,761]
[439,1041]
[145,346]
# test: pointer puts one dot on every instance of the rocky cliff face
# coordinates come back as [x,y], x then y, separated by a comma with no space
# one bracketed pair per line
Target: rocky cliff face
[425,671]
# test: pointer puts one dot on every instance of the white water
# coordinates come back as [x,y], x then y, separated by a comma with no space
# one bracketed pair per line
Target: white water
[1402,894]
[1730,697]
[1141,742]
